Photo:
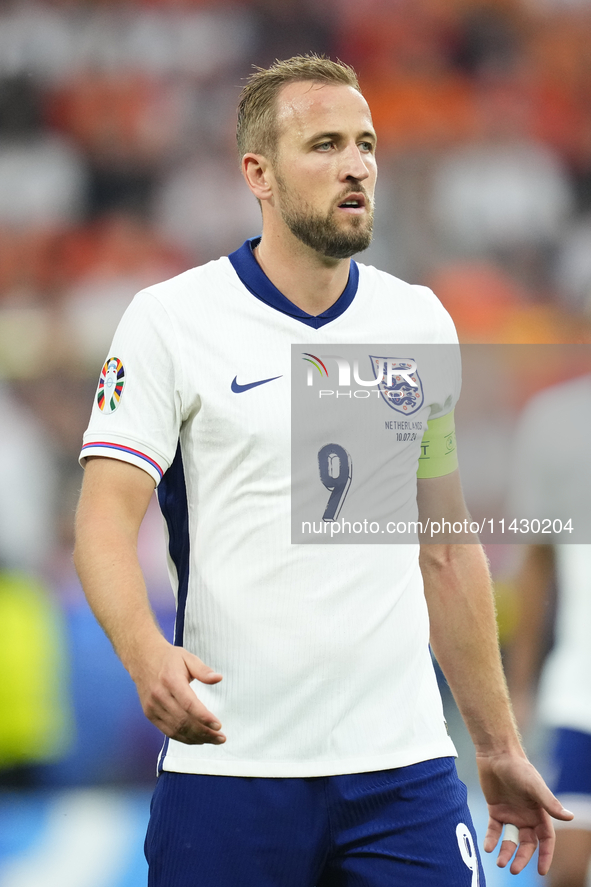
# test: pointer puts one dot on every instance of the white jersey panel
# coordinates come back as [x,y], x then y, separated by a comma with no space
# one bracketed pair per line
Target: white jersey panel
[324,650]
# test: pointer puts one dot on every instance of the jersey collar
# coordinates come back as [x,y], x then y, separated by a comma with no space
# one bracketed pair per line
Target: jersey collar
[256,281]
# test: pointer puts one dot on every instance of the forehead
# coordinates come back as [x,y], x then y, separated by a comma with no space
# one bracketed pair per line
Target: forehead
[305,108]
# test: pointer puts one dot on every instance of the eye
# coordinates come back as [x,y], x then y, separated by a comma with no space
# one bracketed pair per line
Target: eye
[368,147]
[324,146]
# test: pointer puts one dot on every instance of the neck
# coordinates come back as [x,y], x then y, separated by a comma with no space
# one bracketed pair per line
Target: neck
[309,280]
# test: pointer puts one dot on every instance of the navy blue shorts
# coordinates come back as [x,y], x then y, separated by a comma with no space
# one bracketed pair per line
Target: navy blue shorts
[408,827]
[572,759]
[572,782]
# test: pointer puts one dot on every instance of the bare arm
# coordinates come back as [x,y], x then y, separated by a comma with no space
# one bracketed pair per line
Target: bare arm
[464,640]
[526,652]
[113,502]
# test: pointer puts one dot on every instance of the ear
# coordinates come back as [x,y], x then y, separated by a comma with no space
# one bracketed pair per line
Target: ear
[255,169]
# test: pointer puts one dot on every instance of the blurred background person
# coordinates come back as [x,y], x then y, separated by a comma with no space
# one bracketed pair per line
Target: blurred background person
[34,710]
[549,661]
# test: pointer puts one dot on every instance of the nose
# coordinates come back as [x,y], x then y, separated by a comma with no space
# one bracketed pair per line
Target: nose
[355,164]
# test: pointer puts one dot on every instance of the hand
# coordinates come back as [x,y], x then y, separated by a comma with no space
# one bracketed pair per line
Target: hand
[517,794]
[169,701]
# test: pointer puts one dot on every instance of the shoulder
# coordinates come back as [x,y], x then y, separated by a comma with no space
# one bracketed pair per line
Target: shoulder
[161,310]
[417,303]
[191,295]
[193,282]
[394,286]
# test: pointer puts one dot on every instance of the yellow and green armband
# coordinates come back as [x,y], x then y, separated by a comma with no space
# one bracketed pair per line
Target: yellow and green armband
[439,455]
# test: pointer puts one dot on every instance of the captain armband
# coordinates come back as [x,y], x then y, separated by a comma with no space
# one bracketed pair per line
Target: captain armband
[439,455]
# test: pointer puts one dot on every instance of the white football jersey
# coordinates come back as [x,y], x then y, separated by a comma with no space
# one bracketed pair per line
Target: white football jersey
[324,650]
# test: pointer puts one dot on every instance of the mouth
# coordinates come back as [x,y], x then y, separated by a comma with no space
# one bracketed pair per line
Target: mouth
[354,204]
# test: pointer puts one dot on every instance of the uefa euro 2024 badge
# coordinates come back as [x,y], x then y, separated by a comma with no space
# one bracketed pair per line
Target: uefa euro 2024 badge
[111,384]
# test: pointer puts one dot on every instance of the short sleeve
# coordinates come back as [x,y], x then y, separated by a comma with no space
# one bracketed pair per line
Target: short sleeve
[137,409]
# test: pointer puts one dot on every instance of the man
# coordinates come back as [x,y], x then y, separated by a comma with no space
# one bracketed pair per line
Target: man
[552,481]
[334,767]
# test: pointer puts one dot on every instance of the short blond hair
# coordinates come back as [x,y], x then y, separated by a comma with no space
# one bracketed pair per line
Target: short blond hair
[257,131]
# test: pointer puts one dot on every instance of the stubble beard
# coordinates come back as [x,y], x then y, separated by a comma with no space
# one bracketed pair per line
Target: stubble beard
[321,232]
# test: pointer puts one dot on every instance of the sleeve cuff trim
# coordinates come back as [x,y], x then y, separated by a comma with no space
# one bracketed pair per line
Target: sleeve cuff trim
[113,446]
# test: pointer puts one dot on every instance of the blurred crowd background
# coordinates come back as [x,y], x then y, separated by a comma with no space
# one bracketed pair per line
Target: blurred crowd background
[118,168]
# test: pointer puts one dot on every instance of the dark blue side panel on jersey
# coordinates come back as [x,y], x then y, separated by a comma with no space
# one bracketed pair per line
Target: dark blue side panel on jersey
[172,496]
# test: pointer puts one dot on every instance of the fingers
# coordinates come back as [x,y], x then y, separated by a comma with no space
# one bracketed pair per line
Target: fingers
[520,845]
[170,702]
[555,809]
[523,841]
[509,845]
[193,723]
[545,853]
[199,670]
[525,851]
[179,714]
[511,833]
[493,833]
[506,852]
[549,802]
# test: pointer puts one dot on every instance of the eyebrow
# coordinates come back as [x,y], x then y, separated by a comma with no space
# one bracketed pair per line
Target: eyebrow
[335,136]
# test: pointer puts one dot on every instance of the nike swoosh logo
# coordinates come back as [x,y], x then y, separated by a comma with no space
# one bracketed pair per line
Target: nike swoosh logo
[238,389]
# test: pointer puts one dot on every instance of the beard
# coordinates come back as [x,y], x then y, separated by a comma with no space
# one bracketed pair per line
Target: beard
[321,232]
